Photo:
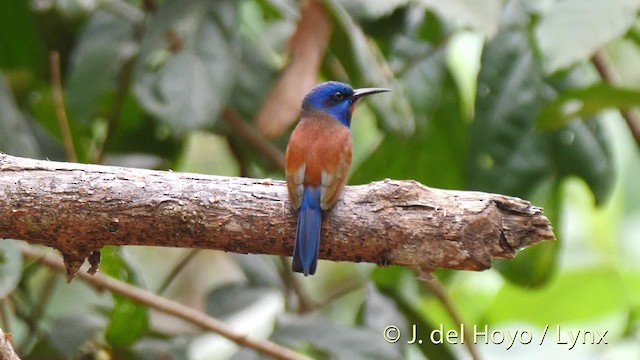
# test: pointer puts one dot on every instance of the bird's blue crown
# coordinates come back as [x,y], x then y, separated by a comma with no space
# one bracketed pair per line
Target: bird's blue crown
[334,98]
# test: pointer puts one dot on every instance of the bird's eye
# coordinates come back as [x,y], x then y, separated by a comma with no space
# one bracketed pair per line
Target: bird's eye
[338,95]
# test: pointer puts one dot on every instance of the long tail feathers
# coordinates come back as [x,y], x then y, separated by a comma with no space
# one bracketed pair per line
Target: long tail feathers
[307,245]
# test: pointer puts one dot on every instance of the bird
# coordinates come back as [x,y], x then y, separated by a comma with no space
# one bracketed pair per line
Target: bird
[317,162]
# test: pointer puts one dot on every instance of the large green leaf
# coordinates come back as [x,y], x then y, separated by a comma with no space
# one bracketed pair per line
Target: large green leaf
[509,155]
[106,43]
[506,154]
[572,30]
[187,65]
[575,103]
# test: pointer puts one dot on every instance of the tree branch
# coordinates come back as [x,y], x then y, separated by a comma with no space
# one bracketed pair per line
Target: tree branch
[79,208]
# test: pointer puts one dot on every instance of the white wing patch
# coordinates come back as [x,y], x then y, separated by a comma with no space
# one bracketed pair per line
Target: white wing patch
[298,179]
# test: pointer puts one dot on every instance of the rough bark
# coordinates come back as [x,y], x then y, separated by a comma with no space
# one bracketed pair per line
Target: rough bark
[79,208]
[6,350]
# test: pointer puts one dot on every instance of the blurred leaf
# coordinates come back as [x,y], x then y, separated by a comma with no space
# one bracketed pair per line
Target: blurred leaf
[383,27]
[506,154]
[187,65]
[373,9]
[431,28]
[571,30]
[400,285]
[463,60]
[581,149]
[379,311]
[575,103]
[105,44]
[532,267]
[435,155]
[128,320]
[25,51]
[260,270]
[365,66]
[322,338]
[10,266]
[72,332]
[153,349]
[594,293]
[16,138]
[139,133]
[482,15]
[228,300]
[254,77]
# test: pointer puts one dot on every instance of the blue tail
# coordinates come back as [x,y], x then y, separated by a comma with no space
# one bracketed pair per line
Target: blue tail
[305,250]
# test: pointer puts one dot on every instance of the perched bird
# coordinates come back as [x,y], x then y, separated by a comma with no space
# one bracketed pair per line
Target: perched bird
[317,162]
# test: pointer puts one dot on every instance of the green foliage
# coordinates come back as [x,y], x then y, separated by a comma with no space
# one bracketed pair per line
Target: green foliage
[582,102]
[128,320]
[496,96]
[188,58]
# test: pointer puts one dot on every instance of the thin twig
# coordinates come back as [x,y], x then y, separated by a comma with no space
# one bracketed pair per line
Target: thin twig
[253,137]
[176,270]
[58,102]
[159,303]
[113,118]
[438,290]
[633,122]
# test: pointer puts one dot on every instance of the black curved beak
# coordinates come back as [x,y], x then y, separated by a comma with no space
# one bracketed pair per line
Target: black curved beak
[358,93]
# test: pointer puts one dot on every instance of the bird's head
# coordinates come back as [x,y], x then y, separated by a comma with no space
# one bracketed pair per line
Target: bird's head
[337,99]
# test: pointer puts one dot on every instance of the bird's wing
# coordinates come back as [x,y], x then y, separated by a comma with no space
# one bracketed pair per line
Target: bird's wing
[294,175]
[333,180]
[336,169]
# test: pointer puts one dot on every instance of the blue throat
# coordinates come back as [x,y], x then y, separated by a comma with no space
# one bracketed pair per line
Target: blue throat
[339,115]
